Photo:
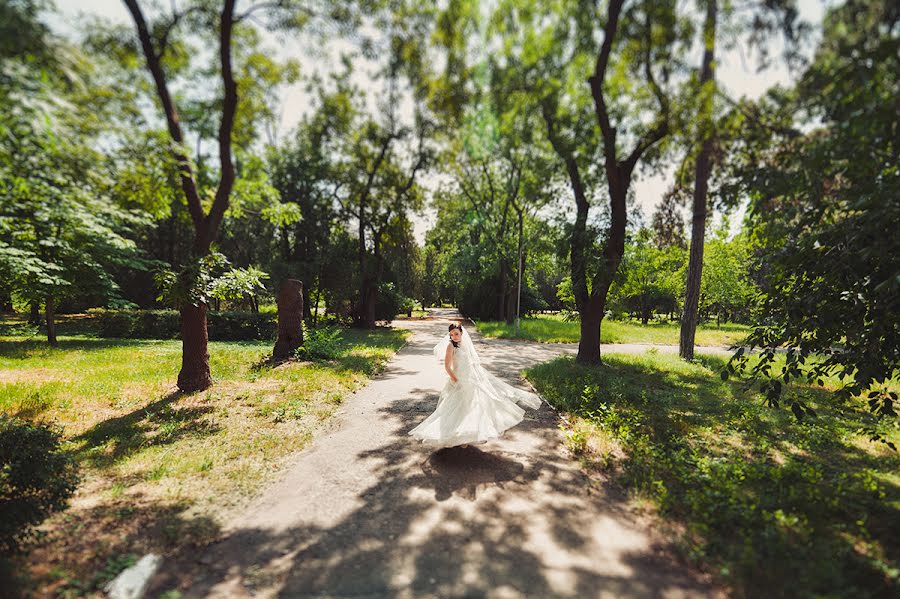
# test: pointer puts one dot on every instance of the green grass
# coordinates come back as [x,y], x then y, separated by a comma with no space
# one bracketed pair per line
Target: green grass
[159,467]
[551,328]
[772,507]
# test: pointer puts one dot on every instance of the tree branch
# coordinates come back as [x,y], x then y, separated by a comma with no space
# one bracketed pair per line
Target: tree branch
[176,18]
[597,78]
[229,107]
[188,183]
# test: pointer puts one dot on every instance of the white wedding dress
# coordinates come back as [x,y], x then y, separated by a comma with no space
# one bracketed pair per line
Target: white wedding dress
[477,408]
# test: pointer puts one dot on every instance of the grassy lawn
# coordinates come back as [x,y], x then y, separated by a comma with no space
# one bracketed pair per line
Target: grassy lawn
[160,469]
[773,507]
[551,328]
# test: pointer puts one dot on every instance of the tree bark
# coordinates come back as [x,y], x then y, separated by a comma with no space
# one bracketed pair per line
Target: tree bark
[592,305]
[290,319]
[589,344]
[6,303]
[35,315]
[50,312]
[703,170]
[195,374]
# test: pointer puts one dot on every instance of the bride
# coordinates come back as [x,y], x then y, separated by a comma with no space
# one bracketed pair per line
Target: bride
[474,405]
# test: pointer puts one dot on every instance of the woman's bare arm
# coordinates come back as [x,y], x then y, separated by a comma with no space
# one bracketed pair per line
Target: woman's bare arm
[448,362]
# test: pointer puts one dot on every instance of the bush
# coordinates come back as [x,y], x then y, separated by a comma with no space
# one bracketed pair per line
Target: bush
[166,324]
[242,326]
[391,302]
[36,479]
[323,343]
[137,324]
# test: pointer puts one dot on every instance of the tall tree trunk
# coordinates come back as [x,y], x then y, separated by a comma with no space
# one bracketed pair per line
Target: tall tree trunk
[501,292]
[35,316]
[195,374]
[689,318]
[290,320]
[50,312]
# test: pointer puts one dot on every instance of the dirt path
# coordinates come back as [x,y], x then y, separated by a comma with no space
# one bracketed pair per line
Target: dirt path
[367,512]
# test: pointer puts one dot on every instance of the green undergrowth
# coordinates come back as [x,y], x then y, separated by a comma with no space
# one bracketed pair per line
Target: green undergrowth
[774,507]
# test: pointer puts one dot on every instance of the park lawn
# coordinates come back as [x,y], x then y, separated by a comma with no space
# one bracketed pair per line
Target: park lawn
[770,506]
[551,328]
[161,469]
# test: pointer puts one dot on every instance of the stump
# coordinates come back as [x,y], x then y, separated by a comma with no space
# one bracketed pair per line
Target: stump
[290,319]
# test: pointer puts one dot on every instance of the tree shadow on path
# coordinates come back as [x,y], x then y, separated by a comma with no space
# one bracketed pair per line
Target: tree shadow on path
[510,518]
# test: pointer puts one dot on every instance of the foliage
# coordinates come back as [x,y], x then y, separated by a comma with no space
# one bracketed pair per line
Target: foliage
[166,324]
[765,503]
[821,199]
[206,278]
[60,234]
[37,477]
[651,279]
[324,343]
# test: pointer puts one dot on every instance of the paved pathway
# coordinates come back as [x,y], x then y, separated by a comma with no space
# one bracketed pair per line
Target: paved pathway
[366,512]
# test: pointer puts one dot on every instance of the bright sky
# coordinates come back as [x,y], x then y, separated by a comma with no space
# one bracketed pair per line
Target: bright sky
[735,71]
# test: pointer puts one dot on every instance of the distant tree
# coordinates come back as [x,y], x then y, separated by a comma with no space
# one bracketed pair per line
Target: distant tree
[651,278]
[668,222]
[726,290]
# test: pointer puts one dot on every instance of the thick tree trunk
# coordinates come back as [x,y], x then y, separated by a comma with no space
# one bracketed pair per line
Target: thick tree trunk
[290,319]
[589,344]
[194,374]
[690,315]
[50,312]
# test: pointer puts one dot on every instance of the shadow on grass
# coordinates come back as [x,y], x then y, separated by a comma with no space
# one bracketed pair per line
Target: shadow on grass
[159,423]
[23,349]
[780,508]
[85,547]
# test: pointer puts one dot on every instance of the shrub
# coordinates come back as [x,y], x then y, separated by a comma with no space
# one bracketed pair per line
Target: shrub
[137,324]
[242,326]
[36,479]
[166,324]
[323,343]
[391,302]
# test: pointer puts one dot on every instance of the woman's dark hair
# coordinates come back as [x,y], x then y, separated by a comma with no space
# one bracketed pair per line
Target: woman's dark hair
[454,325]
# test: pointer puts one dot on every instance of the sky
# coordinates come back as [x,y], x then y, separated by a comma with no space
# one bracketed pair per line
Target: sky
[736,73]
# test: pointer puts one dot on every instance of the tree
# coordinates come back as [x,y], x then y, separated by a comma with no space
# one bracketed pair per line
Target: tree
[726,289]
[703,166]
[651,278]
[776,13]
[194,374]
[305,171]
[626,98]
[156,41]
[820,202]
[60,233]
[384,158]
